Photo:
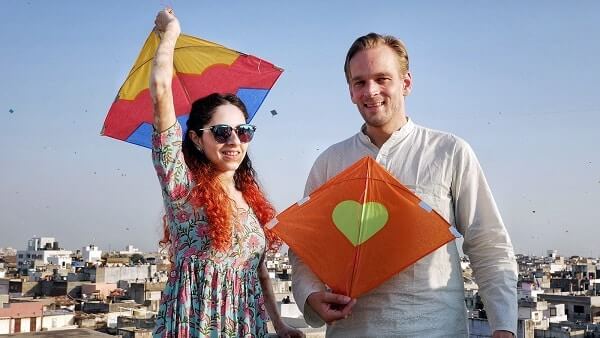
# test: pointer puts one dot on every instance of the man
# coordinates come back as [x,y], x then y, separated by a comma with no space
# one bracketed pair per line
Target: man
[427,298]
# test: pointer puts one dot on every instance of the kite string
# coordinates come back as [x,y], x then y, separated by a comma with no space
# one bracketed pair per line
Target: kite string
[166,4]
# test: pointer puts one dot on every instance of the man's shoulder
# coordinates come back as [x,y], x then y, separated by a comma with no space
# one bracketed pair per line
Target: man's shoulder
[442,138]
[338,149]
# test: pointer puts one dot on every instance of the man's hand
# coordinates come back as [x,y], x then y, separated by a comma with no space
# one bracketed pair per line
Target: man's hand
[330,306]
[503,334]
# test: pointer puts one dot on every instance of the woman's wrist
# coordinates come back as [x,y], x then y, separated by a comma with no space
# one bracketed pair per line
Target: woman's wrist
[278,324]
[173,28]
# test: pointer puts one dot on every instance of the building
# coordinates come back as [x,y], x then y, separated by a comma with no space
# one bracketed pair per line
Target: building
[91,254]
[58,320]
[131,332]
[534,311]
[556,313]
[130,250]
[97,291]
[71,333]
[42,251]
[579,309]
[7,252]
[114,274]
[562,330]
[21,317]
[529,291]
[4,291]
[147,293]
[480,328]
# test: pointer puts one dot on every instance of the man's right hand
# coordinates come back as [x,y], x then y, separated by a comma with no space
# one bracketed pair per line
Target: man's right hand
[330,306]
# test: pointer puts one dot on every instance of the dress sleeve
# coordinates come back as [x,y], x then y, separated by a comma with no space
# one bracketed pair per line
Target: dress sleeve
[486,240]
[173,174]
[304,280]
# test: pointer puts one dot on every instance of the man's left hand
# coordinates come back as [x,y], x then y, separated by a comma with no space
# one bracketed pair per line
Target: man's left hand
[503,334]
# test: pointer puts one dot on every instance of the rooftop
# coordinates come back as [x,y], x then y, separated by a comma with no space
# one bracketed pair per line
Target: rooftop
[62,333]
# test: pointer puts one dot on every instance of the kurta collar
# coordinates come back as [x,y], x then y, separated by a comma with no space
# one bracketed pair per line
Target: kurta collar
[396,137]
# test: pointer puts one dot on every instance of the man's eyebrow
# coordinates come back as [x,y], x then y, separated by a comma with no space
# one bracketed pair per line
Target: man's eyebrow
[376,75]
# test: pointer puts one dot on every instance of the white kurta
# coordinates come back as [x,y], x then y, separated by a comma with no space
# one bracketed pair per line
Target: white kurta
[426,299]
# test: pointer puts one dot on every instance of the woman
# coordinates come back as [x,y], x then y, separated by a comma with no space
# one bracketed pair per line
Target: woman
[218,284]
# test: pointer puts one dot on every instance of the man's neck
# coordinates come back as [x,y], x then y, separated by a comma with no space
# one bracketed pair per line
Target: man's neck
[380,135]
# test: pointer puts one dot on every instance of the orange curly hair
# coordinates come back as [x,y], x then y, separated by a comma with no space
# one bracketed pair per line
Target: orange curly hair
[209,194]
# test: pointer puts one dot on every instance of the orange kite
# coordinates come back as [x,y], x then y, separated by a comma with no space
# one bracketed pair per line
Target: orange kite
[360,228]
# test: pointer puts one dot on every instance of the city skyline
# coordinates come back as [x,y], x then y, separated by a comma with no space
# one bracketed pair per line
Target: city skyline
[129,248]
[517,81]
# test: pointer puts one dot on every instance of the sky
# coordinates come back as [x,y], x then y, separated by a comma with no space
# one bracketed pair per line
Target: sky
[517,80]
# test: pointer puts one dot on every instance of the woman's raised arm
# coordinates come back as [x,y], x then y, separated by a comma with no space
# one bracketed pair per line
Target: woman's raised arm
[161,76]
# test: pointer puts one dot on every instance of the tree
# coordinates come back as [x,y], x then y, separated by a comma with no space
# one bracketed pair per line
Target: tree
[137,258]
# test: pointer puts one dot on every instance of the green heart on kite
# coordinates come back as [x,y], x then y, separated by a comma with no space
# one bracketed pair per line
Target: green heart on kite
[359,222]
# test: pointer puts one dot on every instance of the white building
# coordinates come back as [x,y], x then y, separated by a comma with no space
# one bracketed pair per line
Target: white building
[58,320]
[529,291]
[556,313]
[130,250]
[557,267]
[127,273]
[91,254]
[534,311]
[7,251]
[62,259]
[39,252]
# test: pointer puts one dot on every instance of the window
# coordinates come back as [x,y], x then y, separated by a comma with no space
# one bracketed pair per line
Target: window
[578,309]
[552,311]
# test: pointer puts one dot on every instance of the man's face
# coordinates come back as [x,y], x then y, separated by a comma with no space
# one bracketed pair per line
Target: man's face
[377,87]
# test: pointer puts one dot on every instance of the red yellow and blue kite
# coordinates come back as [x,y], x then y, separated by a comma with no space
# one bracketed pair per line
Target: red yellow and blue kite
[201,67]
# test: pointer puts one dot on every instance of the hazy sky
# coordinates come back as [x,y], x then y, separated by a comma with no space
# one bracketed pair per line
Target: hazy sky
[518,81]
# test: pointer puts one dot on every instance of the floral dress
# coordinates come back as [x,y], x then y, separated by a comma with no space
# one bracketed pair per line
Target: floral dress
[208,293]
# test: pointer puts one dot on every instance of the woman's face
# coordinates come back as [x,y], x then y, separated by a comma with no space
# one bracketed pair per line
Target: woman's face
[225,156]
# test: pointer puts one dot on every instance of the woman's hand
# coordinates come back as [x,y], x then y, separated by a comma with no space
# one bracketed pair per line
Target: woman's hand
[167,21]
[285,331]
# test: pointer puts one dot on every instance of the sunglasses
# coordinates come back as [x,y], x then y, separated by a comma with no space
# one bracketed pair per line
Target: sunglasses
[222,132]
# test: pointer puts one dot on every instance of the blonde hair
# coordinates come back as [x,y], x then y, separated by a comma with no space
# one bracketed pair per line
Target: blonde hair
[373,40]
